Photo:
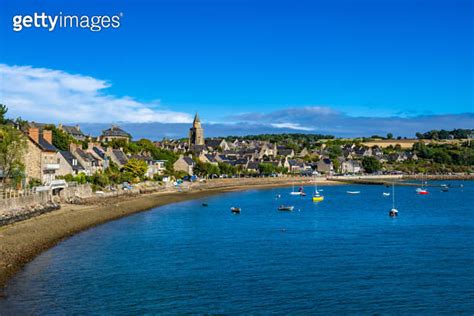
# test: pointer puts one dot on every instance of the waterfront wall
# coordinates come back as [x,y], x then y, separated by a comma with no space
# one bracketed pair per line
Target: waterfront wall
[20,205]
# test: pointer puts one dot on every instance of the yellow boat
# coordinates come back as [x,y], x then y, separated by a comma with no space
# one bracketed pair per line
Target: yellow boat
[318,198]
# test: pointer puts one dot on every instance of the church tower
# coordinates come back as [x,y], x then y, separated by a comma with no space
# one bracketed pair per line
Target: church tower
[196,133]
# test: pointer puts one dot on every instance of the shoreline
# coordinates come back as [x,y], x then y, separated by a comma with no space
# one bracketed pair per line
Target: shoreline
[22,241]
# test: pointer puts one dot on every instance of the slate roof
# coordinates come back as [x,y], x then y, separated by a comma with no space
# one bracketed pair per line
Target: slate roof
[69,157]
[99,152]
[44,145]
[120,156]
[188,160]
[115,131]
[73,130]
[213,142]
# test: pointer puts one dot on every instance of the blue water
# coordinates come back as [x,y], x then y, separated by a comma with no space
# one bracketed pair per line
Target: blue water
[344,255]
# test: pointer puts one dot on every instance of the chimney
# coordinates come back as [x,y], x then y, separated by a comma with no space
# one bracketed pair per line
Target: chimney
[33,132]
[48,136]
[72,147]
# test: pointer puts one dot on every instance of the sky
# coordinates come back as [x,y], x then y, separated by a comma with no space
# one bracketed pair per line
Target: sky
[348,68]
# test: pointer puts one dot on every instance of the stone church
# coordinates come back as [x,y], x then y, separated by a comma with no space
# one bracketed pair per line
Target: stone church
[196,133]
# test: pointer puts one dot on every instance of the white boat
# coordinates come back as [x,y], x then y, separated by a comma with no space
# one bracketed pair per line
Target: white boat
[352,192]
[299,192]
[386,194]
[393,212]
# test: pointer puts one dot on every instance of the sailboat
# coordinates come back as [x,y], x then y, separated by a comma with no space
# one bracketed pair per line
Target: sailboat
[316,196]
[293,192]
[422,190]
[393,212]
[299,192]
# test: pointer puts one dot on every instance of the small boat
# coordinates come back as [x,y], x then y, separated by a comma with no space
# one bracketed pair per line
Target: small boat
[235,210]
[205,204]
[444,189]
[317,197]
[422,190]
[393,212]
[286,208]
[293,192]
[278,196]
[386,194]
[352,192]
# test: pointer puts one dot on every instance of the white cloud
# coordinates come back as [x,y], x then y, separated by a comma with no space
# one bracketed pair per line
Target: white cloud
[49,95]
[294,126]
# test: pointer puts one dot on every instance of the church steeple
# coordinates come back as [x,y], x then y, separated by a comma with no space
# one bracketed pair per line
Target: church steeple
[197,121]
[196,133]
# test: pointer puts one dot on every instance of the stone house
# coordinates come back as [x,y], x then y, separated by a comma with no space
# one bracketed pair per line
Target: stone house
[184,163]
[286,152]
[69,164]
[114,133]
[41,160]
[325,165]
[88,161]
[74,131]
[216,144]
[117,156]
[351,166]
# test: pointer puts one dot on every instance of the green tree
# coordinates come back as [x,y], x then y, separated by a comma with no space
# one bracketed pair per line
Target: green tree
[266,168]
[136,168]
[371,164]
[389,136]
[3,112]
[13,147]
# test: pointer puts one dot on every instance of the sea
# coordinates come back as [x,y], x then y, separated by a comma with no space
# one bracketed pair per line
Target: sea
[344,255]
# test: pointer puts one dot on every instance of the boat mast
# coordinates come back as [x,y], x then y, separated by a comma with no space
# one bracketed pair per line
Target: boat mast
[393,195]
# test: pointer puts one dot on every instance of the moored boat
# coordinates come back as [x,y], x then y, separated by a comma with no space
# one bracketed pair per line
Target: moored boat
[235,210]
[286,208]
[317,197]
[393,212]
[352,192]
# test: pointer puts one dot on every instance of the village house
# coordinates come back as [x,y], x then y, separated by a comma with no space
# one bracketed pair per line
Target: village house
[90,163]
[69,164]
[117,156]
[41,160]
[114,133]
[216,144]
[286,152]
[154,167]
[325,166]
[74,131]
[350,166]
[184,163]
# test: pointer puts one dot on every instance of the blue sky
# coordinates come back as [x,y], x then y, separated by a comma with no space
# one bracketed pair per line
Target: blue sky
[338,60]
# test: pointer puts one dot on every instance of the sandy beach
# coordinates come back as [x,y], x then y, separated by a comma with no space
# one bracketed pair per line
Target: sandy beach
[22,241]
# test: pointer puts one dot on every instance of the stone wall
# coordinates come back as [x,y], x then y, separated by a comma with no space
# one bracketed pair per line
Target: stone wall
[20,206]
